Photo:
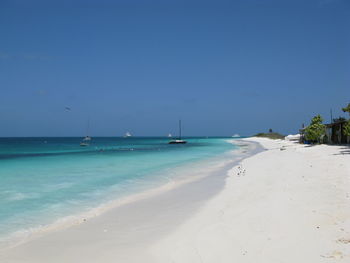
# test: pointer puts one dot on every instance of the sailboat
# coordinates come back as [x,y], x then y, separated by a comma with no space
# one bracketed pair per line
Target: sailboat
[87,138]
[178,140]
[169,135]
[84,143]
[127,134]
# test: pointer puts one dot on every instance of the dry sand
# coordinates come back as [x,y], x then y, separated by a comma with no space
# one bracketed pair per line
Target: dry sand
[290,203]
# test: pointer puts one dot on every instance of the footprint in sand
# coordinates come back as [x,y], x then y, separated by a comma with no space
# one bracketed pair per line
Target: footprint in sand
[335,254]
[344,240]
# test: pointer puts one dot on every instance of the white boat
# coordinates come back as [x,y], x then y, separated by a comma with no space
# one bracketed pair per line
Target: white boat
[178,140]
[169,135]
[236,135]
[127,134]
[87,138]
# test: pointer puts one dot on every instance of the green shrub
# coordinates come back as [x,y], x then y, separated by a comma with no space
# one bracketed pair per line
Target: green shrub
[316,130]
[347,128]
[270,135]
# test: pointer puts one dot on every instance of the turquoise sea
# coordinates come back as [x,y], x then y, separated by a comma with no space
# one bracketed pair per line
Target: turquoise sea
[43,180]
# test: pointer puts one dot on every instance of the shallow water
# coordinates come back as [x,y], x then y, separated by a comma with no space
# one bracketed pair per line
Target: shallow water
[45,179]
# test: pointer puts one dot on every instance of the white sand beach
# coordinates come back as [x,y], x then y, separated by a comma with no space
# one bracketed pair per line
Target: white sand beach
[290,203]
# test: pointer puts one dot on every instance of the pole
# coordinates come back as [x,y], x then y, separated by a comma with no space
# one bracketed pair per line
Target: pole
[331,116]
[180,128]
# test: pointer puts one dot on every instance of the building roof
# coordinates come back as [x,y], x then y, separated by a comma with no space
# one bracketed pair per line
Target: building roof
[329,125]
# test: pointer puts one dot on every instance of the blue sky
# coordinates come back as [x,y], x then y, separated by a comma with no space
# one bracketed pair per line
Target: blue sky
[223,67]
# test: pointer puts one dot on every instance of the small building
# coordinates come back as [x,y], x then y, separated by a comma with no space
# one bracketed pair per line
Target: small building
[335,132]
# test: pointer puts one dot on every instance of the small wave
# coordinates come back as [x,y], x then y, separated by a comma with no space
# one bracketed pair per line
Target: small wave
[18,196]
[58,186]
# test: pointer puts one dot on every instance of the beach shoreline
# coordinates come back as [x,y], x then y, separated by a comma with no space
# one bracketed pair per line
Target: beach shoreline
[245,150]
[289,203]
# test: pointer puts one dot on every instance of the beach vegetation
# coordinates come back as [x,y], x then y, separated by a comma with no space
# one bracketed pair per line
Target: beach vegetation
[347,109]
[339,119]
[347,128]
[316,130]
[270,135]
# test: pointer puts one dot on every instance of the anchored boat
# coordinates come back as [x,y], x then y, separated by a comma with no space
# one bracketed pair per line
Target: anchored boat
[87,138]
[178,140]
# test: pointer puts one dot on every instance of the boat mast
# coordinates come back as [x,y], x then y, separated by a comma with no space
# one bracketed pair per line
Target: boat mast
[88,127]
[180,128]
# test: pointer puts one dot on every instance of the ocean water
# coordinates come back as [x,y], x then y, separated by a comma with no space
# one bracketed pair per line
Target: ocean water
[43,180]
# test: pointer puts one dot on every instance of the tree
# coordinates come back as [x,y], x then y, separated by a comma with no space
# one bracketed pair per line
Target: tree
[347,108]
[317,119]
[339,119]
[315,131]
[346,127]
[346,130]
[270,130]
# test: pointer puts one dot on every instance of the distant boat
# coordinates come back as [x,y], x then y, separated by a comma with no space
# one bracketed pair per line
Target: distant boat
[178,140]
[87,138]
[127,134]
[236,135]
[169,135]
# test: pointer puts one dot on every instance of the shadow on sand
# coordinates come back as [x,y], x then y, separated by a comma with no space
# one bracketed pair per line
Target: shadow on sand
[345,149]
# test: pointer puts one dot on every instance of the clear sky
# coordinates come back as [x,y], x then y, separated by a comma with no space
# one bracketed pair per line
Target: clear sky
[223,67]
